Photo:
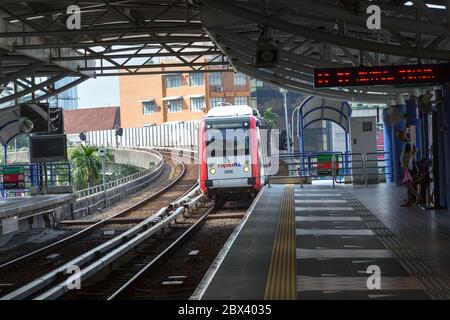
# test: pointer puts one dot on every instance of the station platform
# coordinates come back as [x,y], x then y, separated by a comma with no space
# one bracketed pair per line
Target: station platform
[25,205]
[23,213]
[320,242]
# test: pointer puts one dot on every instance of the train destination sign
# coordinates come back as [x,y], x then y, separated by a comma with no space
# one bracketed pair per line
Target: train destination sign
[382,75]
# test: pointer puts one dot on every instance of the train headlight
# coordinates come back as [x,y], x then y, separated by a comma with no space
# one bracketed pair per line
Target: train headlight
[212,171]
[246,169]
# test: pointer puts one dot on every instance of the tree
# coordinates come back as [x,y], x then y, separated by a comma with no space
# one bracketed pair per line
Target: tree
[271,117]
[86,166]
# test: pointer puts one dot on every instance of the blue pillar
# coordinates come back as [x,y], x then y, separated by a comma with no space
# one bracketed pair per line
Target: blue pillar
[412,120]
[388,148]
[302,145]
[347,136]
[396,144]
[5,153]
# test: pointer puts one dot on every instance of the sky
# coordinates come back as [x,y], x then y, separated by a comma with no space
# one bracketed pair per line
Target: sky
[99,92]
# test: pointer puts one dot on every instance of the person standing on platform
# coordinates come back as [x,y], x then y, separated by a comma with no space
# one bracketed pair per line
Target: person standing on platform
[407,165]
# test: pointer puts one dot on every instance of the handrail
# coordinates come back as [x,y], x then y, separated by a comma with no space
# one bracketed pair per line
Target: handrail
[352,164]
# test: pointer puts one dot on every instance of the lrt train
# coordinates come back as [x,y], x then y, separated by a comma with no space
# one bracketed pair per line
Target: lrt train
[234,148]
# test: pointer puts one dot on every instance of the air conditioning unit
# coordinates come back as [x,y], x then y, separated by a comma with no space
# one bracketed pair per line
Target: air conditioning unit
[218,88]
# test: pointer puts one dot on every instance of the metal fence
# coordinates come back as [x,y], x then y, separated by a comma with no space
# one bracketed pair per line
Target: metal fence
[27,179]
[181,135]
[341,167]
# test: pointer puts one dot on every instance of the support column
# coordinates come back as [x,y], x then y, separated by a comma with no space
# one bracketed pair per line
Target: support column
[302,145]
[413,122]
[388,148]
[445,130]
[396,144]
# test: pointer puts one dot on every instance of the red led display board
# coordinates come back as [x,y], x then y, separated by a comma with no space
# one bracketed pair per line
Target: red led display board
[382,75]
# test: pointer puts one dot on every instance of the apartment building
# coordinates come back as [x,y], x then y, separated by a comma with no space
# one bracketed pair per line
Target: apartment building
[155,99]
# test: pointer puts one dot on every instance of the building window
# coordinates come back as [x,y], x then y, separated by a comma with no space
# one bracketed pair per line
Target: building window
[175,105]
[367,126]
[148,107]
[197,104]
[196,79]
[215,78]
[215,101]
[240,101]
[173,81]
[240,79]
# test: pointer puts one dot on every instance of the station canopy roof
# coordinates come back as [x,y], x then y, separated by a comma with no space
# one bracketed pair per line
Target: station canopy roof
[9,124]
[315,109]
[147,37]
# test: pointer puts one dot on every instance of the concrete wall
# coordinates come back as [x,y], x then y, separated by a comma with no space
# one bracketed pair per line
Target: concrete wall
[138,158]
[149,160]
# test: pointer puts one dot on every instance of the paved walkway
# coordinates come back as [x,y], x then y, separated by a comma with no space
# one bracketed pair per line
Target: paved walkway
[427,232]
[326,239]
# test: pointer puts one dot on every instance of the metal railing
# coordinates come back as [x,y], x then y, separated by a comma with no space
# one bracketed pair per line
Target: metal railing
[31,178]
[341,167]
[377,165]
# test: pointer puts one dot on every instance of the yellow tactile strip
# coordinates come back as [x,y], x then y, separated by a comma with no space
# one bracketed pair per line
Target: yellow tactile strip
[281,281]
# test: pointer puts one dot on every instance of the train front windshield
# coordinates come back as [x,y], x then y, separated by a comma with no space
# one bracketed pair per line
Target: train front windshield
[227,142]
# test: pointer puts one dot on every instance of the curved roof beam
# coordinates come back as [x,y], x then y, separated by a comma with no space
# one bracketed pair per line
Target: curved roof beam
[298,30]
[389,22]
[311,122]
[245,54]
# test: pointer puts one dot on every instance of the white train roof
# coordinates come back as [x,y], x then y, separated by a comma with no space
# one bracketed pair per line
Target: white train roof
[231,110]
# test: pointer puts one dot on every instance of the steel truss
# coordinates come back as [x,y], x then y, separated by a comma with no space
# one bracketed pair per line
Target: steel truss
[116,38]
[131,37]
[325,33]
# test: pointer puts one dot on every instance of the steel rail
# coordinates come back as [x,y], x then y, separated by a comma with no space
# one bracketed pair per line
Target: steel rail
[81,233]
[163,254]
[61,288]
[108,252]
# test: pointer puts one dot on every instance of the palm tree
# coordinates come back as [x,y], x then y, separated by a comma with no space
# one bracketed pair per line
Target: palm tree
[86,166]
[271,117]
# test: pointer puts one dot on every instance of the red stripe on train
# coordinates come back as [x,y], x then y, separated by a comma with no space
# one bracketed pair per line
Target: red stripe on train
[202,157]
[256,169]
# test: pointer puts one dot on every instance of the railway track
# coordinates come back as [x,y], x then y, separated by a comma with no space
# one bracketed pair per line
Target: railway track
[14,274]
[58,281]
[109,282]
[176,271]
